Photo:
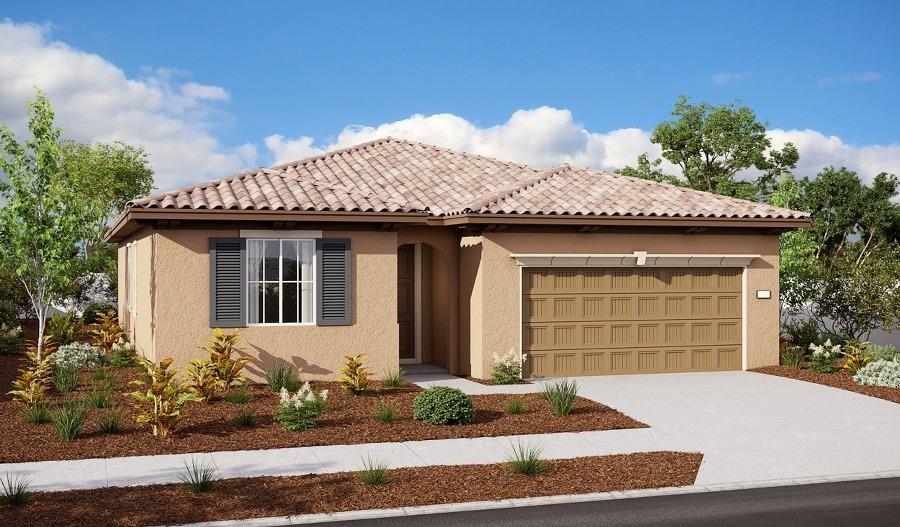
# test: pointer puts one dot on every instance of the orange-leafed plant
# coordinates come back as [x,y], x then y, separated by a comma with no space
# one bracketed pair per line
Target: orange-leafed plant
[162,397]
[354,375]
[30,388]
[108,332]
[221,347]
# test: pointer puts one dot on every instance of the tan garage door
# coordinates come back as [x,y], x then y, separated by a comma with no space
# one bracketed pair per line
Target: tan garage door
[598,321]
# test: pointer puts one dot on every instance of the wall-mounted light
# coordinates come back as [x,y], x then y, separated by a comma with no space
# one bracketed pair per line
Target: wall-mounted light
[763,293]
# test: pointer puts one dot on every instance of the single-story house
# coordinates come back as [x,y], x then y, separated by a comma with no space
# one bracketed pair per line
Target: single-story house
[413,253]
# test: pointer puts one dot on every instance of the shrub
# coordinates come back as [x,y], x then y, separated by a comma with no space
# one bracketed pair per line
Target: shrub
[506,369]
[107,332]
[792,356]
[31,386]
[245,418]
[515,405]
[99,399]
[94,312]
[302,410]
[526,459]
[204,382]
[802,333]
[38,413]
[394,378]
[65,377]
[238,396]
[884,351]
[64,329]
[385,411]
[199,477]
[374,472]
[104,380]
[561,395]
[111,422]
[69,419]
[11,345]
[824,358]
[80,355]
[123,356]
[282,376]
[15,489]
[880,373]
[227,369]
[441,405]
[856,355]
[354,375]
[162,405]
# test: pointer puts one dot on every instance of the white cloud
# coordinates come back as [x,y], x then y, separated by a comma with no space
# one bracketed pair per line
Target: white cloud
[95,101]
[728,77]
[853,78]
[547,136]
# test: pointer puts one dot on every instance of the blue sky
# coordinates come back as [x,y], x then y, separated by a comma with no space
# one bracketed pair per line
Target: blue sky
[299,70]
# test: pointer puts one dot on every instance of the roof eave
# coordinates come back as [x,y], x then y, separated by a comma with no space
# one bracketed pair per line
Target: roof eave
[660,221]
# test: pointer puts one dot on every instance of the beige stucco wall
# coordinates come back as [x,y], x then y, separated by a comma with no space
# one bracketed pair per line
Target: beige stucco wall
[494,300]
[139,324]
[180,316]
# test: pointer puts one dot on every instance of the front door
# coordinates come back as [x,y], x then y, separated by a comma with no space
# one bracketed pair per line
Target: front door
[406,301]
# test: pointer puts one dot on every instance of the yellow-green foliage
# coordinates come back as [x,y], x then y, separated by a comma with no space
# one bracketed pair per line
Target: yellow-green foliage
[856,355]
[204,382]
[108,332]
[30,387]
[354,375]
[225,368]
[162,404]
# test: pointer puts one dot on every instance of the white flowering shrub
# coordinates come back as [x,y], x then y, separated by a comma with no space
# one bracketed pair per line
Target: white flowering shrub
[880,373]
[507,368]
[824,358]
[301,411]
[79,355]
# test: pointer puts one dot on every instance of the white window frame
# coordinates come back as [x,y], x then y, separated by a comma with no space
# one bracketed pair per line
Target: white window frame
[247,282]
[131,277]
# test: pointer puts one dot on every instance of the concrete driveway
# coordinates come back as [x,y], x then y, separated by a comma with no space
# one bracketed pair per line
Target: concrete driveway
[751,427]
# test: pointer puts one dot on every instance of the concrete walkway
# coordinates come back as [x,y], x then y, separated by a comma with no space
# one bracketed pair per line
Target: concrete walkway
[750,427]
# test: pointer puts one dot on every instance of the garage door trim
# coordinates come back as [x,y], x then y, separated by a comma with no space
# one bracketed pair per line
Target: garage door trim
[635,259]
[540,260]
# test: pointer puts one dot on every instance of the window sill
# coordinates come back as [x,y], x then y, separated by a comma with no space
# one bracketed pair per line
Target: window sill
[278,325]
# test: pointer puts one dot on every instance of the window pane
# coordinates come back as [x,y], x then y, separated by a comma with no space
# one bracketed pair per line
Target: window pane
[254,304]
[255,260]
[270,303]
[272,254]
[289,303]
[289,260]
[306,303]
[307,254]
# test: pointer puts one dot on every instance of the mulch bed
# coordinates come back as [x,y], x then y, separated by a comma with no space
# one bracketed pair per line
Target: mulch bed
[325,493]
[838,379]
[211,427]
[488,382]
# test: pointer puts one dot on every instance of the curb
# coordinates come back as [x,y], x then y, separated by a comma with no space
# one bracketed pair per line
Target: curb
[307,519]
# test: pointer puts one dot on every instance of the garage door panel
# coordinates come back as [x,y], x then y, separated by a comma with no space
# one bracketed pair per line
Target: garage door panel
[614,321]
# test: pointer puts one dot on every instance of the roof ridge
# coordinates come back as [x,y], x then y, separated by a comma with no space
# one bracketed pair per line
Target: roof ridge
[496,197]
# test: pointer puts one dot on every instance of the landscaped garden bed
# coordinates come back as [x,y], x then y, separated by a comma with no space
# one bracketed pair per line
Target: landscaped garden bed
[838,379]
[326,493]
[214,426]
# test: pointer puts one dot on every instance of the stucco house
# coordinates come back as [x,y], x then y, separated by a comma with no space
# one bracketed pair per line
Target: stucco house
[418,254]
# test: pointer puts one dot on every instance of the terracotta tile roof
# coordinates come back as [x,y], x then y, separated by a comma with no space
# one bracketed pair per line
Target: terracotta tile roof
[399,176]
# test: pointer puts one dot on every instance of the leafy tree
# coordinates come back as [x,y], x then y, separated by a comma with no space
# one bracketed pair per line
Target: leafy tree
[711,145]
[798,263]
[43,217]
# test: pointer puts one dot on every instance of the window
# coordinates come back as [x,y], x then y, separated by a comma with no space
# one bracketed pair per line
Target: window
[280,284]
[131,278]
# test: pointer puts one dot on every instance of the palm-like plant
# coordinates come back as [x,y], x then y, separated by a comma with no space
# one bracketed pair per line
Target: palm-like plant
[162,404]
[227,369]
[354,375]
[30,387]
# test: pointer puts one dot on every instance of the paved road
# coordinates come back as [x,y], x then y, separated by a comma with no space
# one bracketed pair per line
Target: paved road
[855,503]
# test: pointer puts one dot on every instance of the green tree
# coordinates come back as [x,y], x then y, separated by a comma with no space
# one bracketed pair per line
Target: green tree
[798,263]
[44,217]
[711,145]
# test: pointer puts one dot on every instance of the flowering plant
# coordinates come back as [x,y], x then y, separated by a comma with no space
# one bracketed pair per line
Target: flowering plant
[301,411]
[507,368]
[824,358]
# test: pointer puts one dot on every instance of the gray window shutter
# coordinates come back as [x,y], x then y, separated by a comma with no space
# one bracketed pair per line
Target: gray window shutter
[333,282]
[227,286]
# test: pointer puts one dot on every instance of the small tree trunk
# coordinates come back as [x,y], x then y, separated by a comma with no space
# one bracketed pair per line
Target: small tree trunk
[42,321]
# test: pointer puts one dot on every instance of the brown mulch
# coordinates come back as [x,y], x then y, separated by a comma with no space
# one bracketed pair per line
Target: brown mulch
[838,379]
[211,427]
[488,382]
[325,493]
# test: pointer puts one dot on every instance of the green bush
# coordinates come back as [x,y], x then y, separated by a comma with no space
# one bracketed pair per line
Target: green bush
[200,477]
[561,395]
[879,373]
[282,376]
[15,489]
[37,413]
[65,377]
[441,405]
[506,369]
[69,420]
[79,355]
[302,410]
[515,405]
[111,422]
[802,333]
[238,396]
[123,356]
[385,411]
[374,472]
[792,356]
[245,418]
[824,358]
[526,459]
[11,345]
[99,399]
[64,329]
[884,351]
[94,310]
[394,378]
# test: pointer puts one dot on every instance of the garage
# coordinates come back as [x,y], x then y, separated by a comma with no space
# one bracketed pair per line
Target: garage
[613,321]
